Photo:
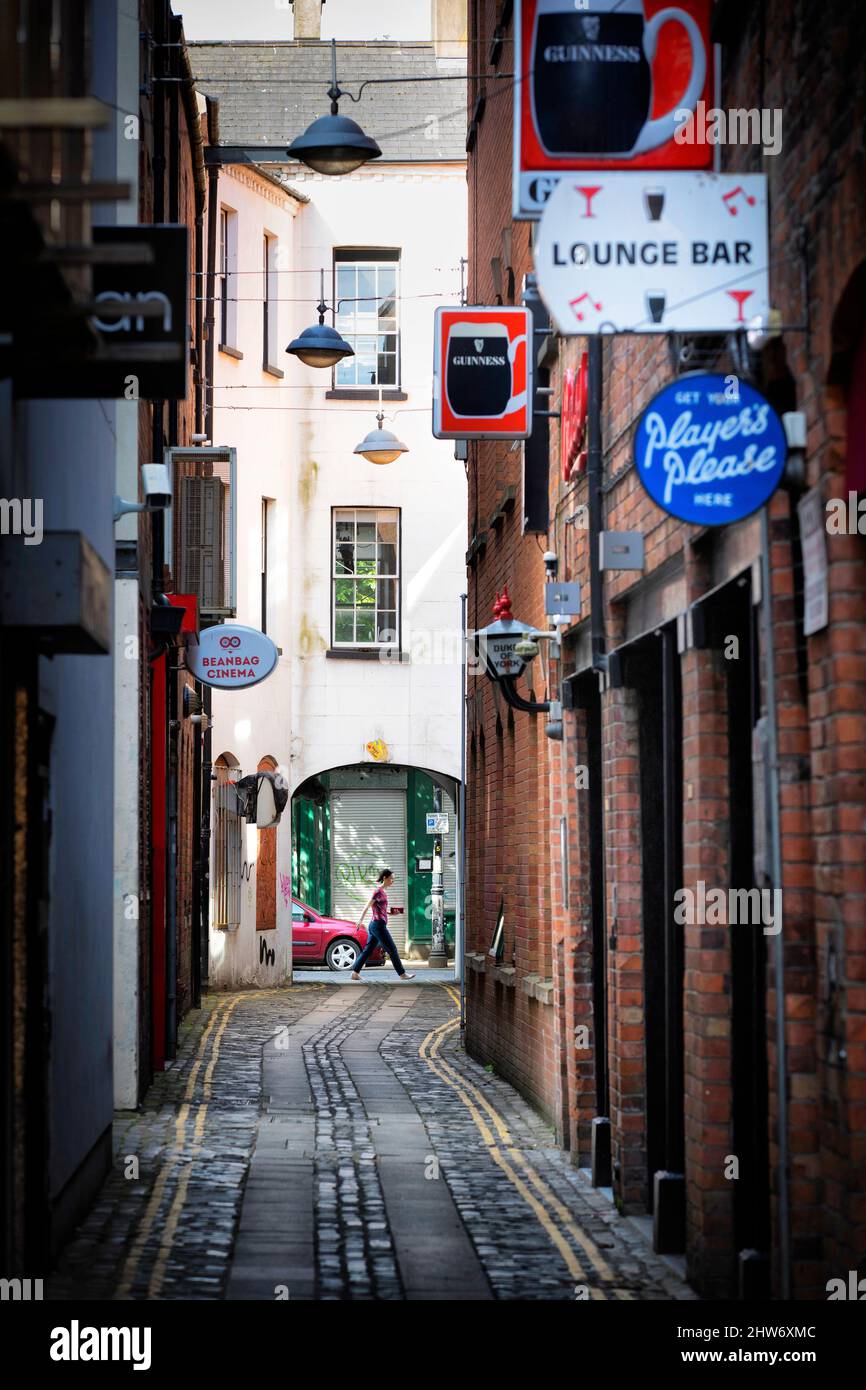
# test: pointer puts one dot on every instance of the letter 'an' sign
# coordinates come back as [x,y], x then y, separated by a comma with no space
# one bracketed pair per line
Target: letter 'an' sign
[482,373]
[605,84]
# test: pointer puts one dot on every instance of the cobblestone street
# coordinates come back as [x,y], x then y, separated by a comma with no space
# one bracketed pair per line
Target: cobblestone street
[328,1142]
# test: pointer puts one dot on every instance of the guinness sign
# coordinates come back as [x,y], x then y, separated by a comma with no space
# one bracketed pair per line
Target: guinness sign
[604,86]
[482,373]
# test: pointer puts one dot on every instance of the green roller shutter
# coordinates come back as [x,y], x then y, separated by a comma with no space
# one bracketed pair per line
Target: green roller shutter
[368,833]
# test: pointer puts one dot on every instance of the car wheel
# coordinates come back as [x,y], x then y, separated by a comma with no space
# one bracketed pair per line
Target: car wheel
[342,954]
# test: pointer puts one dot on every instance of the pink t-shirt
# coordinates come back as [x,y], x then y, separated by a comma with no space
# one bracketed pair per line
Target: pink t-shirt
[380,905]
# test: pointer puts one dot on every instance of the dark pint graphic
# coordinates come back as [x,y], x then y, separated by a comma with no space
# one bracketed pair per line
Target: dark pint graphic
[482,372]
[655,303]
[478,370]
[654,203]
[591,77]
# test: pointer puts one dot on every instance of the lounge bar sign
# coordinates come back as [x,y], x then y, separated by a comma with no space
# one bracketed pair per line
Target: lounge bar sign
[605,85]
[709,449]
[231,657]
[482,373]
[684,252]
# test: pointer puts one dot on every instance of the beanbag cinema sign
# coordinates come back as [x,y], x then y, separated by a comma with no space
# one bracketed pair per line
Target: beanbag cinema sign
[229,656]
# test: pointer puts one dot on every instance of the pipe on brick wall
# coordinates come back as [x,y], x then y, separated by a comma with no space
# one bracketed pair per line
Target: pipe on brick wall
[595,374]
[210,294]
[778,949]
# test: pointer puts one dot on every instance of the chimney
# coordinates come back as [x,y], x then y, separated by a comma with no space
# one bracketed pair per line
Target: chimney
[449,28]
[308,19]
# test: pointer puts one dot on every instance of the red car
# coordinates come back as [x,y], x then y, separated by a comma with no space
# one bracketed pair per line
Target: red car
[331,941]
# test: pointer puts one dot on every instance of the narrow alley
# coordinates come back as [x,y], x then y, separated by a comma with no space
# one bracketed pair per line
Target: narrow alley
[330,1142]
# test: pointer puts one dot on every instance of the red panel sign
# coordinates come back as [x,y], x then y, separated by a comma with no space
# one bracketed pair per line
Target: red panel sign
[482,373]
[606,87]
[572,420]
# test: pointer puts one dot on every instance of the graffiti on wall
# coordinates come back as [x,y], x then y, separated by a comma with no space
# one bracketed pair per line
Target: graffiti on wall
[359,879]
[285,888]
[267,955]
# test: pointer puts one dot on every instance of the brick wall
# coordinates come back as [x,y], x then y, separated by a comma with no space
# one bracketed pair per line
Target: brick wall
[521,783]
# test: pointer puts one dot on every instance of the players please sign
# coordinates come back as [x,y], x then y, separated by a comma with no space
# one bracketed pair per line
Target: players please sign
[625,253]
[709,449]
[482,373]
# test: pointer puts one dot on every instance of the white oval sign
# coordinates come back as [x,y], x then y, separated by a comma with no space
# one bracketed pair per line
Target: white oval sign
[230,656]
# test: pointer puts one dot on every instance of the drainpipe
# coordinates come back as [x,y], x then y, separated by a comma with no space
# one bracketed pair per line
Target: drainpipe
[171,866]
[595,371]
[776,866]
[193,125]
[213,174]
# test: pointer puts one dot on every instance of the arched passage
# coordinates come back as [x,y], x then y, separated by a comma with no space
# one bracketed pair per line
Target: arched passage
[350,822]
[227,845]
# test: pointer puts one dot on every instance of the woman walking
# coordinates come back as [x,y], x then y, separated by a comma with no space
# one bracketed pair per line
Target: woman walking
[379,934]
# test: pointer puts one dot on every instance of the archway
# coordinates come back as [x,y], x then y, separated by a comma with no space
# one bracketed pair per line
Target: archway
[349,822]
[227,837]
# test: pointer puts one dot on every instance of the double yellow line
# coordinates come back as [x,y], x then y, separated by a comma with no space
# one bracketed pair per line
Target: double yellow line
[216,1025]
[500,1145]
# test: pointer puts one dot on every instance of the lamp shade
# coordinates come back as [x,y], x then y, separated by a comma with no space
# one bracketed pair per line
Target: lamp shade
[380,446]
[320,346]
[334,144]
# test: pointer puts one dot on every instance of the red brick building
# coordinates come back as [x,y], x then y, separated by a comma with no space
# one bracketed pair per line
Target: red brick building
[687,757]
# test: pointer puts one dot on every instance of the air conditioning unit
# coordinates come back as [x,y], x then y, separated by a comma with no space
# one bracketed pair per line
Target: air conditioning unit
[201,534]
[203,537]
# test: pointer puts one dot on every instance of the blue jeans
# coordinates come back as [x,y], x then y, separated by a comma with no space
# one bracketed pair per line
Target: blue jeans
[379,935]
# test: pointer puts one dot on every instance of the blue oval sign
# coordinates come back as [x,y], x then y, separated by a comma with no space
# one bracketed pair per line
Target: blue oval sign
[710,449]
[230,656]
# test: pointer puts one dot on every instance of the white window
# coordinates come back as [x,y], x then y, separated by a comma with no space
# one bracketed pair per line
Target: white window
[228,263]
[270,302]
[366,302]
[366,577]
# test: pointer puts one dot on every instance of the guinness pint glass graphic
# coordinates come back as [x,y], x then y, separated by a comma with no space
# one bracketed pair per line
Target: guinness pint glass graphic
[591,77]
[478,370]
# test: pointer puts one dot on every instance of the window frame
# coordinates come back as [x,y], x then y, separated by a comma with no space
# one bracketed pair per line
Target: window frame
[377,257]
[228,272]
[375,647]
[270,302]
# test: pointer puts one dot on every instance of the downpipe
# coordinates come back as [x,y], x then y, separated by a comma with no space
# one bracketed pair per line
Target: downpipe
[776,865]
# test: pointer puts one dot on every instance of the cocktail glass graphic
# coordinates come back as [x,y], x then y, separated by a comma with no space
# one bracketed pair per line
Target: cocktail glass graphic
[740,296]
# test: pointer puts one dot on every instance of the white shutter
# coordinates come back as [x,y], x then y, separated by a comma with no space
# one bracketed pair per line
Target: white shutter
[368,834]
[449,856]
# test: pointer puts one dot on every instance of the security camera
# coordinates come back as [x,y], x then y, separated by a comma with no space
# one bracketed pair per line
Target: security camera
[550,562]
[156,485]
